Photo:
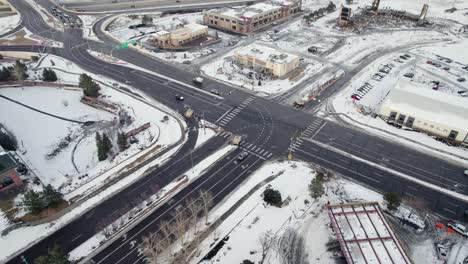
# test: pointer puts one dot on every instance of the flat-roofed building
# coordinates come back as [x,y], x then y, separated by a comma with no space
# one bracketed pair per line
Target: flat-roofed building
[247,19]
[266,59]
[436,113]
[181,36]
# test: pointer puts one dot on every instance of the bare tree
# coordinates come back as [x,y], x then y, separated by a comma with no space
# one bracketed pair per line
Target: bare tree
[167,231]
[180,225]
[151,247]
[291,248]
[195,207]
[207,199]
[267,240]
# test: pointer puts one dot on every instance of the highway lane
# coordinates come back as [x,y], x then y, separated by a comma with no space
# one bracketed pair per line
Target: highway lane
[409,161]
[220,180]
[138,5]
[379,179]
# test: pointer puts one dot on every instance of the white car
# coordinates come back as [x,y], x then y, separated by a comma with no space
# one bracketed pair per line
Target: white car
[198,80]
[466,172]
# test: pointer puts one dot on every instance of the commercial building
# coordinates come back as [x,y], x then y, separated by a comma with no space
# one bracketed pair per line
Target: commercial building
[436,113]
[266,59]
[247,19]
[181,36]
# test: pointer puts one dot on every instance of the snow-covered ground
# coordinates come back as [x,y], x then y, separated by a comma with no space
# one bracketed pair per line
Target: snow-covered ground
[303,218]
[224,69]
[87,27]
[8,23]
[59,170]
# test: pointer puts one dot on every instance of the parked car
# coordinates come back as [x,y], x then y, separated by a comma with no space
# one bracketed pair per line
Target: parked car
[459,228]
[214,91]
[441,251]
[435,87]
[466,172]
[461,79]
[179,97]
[446,68]
[409,75]
[429,62]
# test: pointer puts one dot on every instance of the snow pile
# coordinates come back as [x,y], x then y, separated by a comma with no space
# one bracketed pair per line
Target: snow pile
[8,23]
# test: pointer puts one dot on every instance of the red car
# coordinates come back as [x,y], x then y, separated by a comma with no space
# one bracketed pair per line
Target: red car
[429,62]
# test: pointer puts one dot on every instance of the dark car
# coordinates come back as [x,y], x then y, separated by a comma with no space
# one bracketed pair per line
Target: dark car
[409,75]
[461,79]
[242,156]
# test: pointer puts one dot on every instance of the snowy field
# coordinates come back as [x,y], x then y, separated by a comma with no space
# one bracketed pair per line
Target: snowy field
[8,23]
[225,70]
[303,222]
[77,163]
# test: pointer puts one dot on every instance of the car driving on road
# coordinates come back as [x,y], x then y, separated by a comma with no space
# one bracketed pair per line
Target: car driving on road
[214,91]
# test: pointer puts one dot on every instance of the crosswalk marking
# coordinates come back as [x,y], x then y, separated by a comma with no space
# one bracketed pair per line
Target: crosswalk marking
[224,120]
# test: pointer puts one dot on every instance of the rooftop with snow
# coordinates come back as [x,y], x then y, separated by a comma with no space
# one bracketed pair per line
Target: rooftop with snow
[443,108]
[266,54]
[249,12]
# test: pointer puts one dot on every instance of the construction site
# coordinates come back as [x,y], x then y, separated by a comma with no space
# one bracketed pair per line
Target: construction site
[372,17]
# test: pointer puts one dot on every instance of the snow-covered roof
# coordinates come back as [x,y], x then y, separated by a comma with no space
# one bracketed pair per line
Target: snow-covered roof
[195,26]
[442,108]
[264,53]
[248,11]
[160,33]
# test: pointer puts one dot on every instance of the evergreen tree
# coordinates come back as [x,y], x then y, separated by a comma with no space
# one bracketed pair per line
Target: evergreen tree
[331,7]
[90,87]
[102,154]
[246,261]
[393,200]
[316,187]
[48,75]
[51,197]
[272,196]
[107,143]
[33,201]
[5,74]
[8,142]
[19,71]
[55,256]
[122,141]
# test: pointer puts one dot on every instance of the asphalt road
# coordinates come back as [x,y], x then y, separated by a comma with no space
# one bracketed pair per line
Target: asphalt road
[106,6]
[268,130]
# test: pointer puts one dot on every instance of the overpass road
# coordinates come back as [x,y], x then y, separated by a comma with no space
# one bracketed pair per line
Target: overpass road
[269,130]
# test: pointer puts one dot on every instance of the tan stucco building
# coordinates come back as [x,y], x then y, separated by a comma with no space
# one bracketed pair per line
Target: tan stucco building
[266,59]
[246,19]
[180,36]
[436,113]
